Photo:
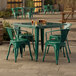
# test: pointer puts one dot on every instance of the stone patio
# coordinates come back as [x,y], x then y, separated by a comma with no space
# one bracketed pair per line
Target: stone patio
[26,67]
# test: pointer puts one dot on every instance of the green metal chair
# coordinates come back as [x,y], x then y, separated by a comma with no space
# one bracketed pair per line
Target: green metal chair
[32,11]
[29,11]
[17,43]
[58,36]
[51,9]
[46,9]
[17,11]
[26,35]
[57,44]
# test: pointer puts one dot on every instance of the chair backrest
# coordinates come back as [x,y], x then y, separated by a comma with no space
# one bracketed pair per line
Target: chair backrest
[32,10]
[51,7]
[64,33]
[45,7]
[10,32]
[17,30]
[16,10]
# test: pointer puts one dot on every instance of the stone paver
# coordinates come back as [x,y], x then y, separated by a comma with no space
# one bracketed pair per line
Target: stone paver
[26,67]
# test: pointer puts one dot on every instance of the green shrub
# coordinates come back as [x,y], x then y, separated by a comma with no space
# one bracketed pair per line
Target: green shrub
[29,3]
[51,2]
[5,34]
[5,14]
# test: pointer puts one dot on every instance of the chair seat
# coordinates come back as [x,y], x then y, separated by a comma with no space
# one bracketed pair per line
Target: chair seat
[57,43]
[18,13]
[52,42]
[26,36]
[18,41]
[57,37]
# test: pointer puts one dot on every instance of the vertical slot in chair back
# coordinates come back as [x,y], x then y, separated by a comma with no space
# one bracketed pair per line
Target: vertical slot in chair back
[64,33]
[10,32]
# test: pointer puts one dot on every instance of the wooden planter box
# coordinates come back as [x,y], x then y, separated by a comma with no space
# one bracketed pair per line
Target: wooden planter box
[1,32]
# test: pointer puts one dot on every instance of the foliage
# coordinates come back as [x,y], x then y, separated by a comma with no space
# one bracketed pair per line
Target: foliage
[5,34]
[5,14]
[46,2]
[29,3]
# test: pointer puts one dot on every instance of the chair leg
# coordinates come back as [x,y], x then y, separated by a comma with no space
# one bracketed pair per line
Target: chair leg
[33,45]
[58,54]
[8,51]
[67,54]
[29,15]
[63,52]
[48,49]
[44,52]
[60,49]
[21,51]
[68,47]
[15,54]
[22,15]
[24,48]
[56,49]
[30,51]
[25,15]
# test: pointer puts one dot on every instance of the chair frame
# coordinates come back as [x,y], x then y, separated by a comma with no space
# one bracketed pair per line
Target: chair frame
[57,44]
[17,11]
[18,44]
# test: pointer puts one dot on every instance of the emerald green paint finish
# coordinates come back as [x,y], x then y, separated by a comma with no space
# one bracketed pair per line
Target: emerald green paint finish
[29,11]
[23,11]
[46,9]
[58,43]
[56,37]
[42,28]
[17,44]
[26,35]
[17,11]
[36,43]
[50,8]
[42,39]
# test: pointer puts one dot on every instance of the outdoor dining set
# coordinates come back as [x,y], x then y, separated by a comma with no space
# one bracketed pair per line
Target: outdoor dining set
[58,41]
[50,8]
[23,11]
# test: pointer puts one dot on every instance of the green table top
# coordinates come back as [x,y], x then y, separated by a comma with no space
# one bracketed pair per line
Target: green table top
[47,25]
